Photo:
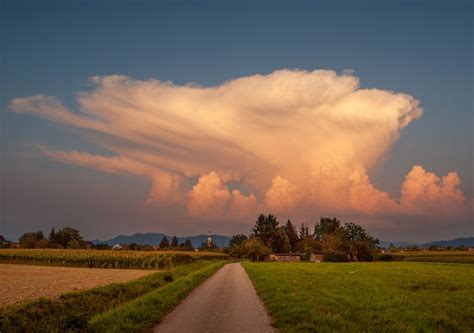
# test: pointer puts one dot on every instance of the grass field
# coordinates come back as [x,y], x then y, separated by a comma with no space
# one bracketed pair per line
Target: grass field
[367,297]
[436,256]
[84,311]
[104,258]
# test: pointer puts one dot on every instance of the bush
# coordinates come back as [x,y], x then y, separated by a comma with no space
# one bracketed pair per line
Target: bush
[386,257]
[168,277]
[332,256]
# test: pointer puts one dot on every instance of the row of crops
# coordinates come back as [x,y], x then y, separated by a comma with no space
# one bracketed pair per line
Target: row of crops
[104,258]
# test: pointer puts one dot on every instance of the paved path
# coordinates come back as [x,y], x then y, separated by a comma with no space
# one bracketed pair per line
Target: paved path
[227,302]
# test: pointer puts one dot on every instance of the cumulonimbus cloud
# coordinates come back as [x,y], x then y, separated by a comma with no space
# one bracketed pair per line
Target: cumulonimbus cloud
[294,140]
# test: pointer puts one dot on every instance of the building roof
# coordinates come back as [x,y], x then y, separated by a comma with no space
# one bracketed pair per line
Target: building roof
[2,239]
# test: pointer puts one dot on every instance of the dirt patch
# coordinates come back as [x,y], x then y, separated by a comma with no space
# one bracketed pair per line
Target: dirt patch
[20,283]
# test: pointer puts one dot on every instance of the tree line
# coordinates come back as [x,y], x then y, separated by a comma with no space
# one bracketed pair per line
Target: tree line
[335,240]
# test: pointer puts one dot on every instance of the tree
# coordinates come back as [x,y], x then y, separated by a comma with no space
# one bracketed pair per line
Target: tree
[304,231]
[292,235]
[30,239]
[332,237]
[164,244]
[279,241]
[361,244]
[264,227]
[174,242]
[52,239]
[66,235]
[187,245]
[74,244]
[255,249]
[237,240]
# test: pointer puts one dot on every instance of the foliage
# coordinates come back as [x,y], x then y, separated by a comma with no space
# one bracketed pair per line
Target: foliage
[256,250]
[292,235]
[174,242]
[366,297]
[385,257]
[264,228]
[67,235]
[332,256]
[164,244]
[237,240]
[187,246]
[279,241]
[30,239]
[361,244]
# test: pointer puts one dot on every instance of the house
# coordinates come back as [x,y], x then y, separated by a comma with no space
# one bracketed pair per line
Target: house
[284,257]
[2,239]
[120,247]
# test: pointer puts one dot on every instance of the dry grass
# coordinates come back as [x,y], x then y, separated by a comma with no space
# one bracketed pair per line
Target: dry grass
[20,283]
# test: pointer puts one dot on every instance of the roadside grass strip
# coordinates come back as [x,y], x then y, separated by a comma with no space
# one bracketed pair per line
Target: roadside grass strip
[145,312]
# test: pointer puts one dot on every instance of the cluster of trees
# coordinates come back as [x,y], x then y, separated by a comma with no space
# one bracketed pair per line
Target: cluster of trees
[63,238]
[174,245]
[337,241]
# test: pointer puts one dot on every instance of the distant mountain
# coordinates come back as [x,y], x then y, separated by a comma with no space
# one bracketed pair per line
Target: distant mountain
[155,239]
[466,241]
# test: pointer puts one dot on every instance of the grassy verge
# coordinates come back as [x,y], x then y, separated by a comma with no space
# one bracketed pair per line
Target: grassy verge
[145,312]
[72,311]
[104,258]
[367,297]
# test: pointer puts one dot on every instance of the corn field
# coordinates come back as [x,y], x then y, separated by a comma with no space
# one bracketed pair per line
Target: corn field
[104,258]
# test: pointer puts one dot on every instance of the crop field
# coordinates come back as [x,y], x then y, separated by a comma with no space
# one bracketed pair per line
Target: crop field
[436,256]
[394,296]
[104,258]
[136,305]
[20,283]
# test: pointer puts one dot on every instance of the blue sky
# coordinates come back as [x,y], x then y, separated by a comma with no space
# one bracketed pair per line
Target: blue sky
[422,48]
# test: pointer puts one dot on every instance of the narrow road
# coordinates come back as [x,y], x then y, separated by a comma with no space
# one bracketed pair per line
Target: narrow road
[227,302]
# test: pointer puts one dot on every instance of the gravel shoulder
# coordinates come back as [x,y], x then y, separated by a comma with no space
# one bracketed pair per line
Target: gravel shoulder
[21,283]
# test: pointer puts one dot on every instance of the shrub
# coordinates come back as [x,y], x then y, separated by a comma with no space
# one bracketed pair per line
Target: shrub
[333,256]
[386,257]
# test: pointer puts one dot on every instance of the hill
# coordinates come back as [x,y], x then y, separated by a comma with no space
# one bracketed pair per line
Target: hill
[155,239]
[466,241]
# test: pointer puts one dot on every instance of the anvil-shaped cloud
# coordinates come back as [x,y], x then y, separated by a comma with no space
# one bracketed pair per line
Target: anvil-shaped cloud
[296,141]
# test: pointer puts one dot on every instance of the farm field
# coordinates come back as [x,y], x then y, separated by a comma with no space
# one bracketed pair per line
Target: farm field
[370,297]
[104,258]
[139,302]
[436,256]
[20,283]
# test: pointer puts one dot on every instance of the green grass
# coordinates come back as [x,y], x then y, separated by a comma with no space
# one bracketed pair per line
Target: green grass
[104,258]
[145,312]
[72,311]
[367,297]
[436,256]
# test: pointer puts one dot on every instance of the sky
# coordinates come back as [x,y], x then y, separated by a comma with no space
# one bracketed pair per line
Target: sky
[183,117]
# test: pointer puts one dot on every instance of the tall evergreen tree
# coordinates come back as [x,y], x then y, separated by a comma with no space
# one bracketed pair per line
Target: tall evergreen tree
[164,244]
[174,242]
[265,227]
[304,231]
[292,235]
